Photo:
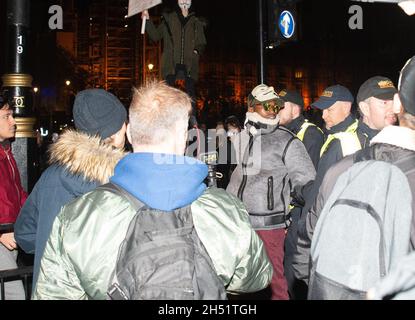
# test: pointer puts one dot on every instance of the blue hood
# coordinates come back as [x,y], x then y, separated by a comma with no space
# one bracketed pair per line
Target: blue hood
[161,181]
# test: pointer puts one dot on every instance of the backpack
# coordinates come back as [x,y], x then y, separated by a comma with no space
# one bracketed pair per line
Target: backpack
[162,258]
[363,230]
[399,284]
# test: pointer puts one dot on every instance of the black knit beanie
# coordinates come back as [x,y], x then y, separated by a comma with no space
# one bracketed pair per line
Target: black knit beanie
[98,112]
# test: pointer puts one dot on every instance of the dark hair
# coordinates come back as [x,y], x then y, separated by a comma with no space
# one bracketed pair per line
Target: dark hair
[233,121]
[3,102]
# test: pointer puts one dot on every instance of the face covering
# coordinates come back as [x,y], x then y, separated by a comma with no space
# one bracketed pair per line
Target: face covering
[232,133]
[185,4]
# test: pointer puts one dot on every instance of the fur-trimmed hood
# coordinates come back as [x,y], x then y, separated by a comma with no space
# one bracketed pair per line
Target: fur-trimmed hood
[85,155]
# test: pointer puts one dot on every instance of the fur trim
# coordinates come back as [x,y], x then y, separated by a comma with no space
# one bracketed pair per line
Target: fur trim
[85,155]
[398,136]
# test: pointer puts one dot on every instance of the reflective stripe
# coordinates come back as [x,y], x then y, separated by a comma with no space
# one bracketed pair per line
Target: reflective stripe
[304,127]
[348,140]
[350,143]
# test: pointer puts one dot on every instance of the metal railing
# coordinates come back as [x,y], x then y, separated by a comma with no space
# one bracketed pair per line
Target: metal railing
[21,273]
[24,273]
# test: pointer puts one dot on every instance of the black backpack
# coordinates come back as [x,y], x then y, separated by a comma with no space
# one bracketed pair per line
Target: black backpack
[162,258]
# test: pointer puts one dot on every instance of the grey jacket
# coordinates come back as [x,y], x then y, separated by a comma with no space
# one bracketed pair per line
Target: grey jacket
[386,146]
[273,166]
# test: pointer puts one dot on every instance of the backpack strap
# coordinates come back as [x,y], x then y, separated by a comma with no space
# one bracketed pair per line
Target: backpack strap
[366,207]
[363,155]
[112,187]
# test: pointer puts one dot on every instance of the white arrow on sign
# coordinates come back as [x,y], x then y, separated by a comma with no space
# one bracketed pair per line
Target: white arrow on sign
[286,21]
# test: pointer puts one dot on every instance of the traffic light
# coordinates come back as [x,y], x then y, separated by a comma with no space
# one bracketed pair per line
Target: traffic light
[282,21]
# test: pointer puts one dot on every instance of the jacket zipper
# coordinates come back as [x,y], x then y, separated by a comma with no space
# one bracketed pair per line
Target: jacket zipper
[182,51]
[244,164]
[270,193]
[283,199]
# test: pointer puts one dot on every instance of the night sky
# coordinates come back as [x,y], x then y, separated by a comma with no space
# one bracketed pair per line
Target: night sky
[382,47]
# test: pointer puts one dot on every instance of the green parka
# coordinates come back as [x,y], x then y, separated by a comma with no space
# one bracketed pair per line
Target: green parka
[82,249]
[183,41]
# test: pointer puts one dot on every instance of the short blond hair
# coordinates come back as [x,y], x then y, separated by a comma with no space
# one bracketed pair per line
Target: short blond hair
[156,111]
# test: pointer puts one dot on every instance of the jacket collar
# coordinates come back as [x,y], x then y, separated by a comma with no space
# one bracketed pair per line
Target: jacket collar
[342,126]
[398,136]
[295,125]
[183,19]
[366,130]
[4,148]
[85,155]
[255,124]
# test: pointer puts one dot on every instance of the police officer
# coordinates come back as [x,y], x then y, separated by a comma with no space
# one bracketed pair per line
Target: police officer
[291,117]
[313,138]
[346,135]
[375,100]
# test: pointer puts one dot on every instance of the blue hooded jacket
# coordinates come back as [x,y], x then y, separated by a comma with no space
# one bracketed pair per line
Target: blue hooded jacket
[161,181]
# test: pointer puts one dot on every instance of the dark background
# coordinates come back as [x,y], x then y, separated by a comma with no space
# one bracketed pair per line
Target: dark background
[385,43]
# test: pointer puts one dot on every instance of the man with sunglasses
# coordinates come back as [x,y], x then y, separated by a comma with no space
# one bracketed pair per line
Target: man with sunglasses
[273,166]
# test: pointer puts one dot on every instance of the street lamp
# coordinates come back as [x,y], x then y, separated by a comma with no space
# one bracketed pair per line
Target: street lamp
[150,67]
[36,99]
[68,83]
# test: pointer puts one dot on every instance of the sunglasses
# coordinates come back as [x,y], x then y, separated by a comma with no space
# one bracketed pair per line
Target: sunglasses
[272,106]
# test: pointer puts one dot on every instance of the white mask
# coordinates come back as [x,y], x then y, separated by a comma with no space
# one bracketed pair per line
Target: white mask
[185,4]
[232,133]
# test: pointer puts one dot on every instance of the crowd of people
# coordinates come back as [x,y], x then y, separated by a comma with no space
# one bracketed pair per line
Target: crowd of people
[176,198]
[279,179]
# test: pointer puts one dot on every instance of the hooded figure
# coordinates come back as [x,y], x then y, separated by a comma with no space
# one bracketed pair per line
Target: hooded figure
[184,41]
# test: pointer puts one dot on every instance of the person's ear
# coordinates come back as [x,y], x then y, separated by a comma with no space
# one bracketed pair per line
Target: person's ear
[295,110]
[251,109]
[347,106]
[364,108]
[397,104]
[130,140]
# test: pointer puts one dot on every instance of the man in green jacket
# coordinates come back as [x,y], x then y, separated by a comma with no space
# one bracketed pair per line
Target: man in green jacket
[183,42]
[81,252]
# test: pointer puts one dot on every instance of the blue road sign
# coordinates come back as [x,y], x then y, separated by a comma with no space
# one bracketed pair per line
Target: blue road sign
[286,24]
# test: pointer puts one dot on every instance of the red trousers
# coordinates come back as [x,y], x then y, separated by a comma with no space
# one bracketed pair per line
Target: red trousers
[274,246]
